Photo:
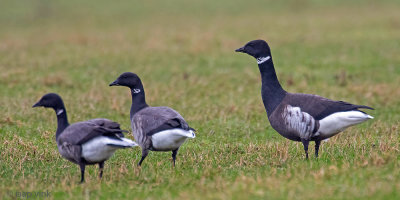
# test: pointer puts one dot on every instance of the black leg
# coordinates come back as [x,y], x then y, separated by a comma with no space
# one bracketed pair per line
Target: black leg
[305,144]
[144,155]
[82,166]
[174,153]
[101,167]
[317,143]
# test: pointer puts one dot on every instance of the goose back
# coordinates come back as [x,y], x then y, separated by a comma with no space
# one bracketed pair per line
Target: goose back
[319,107]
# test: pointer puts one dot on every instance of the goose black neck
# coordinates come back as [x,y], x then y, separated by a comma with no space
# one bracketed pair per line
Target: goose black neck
[271,90]
[138,100]
[62,120]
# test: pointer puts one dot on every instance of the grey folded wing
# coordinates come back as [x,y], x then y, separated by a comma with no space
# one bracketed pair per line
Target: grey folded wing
[81,132]
[319,107]
[151,120]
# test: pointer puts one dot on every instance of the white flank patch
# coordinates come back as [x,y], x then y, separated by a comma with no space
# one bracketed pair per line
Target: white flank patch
[262,59]
[59,111]
[299,122]
[99,149]
[171,139]
[337,122]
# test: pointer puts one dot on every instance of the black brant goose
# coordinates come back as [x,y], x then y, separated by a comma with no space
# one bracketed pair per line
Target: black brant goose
[88,142]
[154,128]
[300,117]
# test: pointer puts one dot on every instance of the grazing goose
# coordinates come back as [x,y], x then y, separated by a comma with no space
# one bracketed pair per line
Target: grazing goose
[154,128]
[88,142]
[300,117]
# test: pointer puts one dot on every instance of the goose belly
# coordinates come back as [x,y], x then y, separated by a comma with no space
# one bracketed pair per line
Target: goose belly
[97,149]
[169,140]
[337,122]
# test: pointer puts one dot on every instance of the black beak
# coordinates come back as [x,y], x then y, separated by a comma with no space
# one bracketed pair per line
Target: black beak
[241,49]
[36,104]
[115,83]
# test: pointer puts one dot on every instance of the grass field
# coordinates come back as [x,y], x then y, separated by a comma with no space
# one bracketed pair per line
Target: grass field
[184,53]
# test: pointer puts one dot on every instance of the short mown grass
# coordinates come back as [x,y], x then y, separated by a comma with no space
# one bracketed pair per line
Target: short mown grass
[184,53]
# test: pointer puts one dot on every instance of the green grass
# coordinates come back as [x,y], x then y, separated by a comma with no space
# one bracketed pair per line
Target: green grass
[184,53]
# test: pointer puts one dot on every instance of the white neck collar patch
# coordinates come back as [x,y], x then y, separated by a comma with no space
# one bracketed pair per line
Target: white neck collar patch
[136,91]
[262,59]
[59,111]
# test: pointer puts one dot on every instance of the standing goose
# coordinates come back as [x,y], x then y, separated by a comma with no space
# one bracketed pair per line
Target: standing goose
[154,128]
[88,142]
[300,117]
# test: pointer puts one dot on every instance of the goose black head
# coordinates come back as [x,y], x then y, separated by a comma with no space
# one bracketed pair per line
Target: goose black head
[256,48]
[128,79]
[51,100]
